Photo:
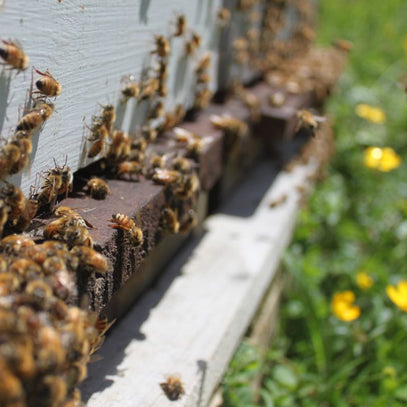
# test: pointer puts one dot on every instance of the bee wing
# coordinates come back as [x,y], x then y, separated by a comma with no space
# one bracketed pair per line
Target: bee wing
[219,120]
[181,133]
[127,78]
[15,42]
[320,119]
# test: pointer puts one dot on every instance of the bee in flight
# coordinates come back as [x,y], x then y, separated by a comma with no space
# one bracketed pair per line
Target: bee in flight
[13,55]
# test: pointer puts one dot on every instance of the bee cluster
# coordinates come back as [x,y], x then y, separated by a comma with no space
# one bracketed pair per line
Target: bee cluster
[46,339]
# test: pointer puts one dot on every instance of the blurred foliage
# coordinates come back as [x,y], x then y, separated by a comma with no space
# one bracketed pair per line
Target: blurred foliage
[355,221]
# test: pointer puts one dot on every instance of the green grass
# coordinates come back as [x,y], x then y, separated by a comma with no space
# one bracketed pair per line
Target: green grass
[356,220]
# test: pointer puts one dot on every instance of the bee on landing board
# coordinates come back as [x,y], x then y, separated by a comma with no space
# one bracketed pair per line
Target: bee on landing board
[194,143]
[173,387]
[13,55]
[47,85]
[233,128]
[125,223]
[35,117]
[309,121]
[98,188]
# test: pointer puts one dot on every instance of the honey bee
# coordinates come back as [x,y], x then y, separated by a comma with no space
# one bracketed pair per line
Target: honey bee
[166,177]
[131,90]
[3,215]
[124,222]
[9,157]
[35,117]
[139,144]
[69,229]
[182,165]
[103,325]
[12,53]
[278,201]
[148,88]
[189,221]
[28,212]
[173,387]
[21,140]
[149,134]
[342,44]
[90,260]
[39,288]
[202,98]
[203,64]
[233,128]
[51,354]
[172,119]
[47,85]
[193,43]
[157,110]
[240,44]
[120,146]
[162,71]
[194,143]
[30,270]
[108,117]
[309,121]
[129,168]
[98,188]
[98,138]
[19,355]
[57,181]
[15,244]
[156,161]
[11,388]
[244,5]
[14,199]
[252,102]
[51,248]
[66,211]
[162,46]
[187,186]
[223,17]
[203,78]
[55,388]
[277,99]
[162,89]
[180,25]
[169,220]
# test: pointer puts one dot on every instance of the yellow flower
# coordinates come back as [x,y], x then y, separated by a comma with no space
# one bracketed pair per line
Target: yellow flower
[382,159]
[343,307]
[398,294]
[372,114]
[363,280]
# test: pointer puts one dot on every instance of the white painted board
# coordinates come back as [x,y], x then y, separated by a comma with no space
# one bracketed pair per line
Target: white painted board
[89,46]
